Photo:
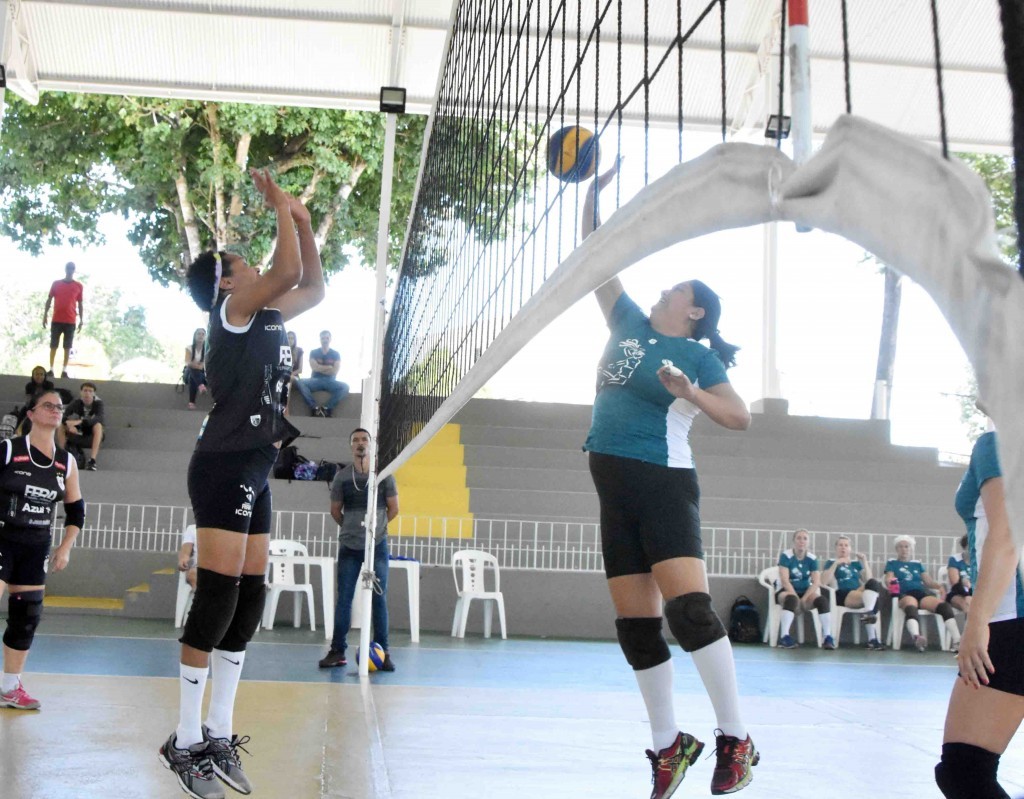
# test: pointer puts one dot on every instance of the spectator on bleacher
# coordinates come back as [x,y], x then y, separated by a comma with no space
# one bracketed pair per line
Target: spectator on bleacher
[915,591]
[986,706]
[324,364]
[37,382]
[195,366]
[35,474]
[855,587]
[800,584]
[187,556]
[83,424]
[349,503]
[296,355]
[68,295]
[957,571]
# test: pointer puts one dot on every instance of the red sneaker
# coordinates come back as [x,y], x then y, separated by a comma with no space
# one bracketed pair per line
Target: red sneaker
[669,766]
[733,767]
[19,699]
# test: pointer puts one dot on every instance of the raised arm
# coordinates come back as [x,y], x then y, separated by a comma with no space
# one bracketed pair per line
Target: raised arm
[609,293]
[865,569]
[310,289]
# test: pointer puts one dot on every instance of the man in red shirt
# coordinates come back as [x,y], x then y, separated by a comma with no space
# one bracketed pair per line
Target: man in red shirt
[66,293]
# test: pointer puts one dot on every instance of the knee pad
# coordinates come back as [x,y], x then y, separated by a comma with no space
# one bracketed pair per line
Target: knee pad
[791,603]
[968,772]
[252,596]
[24,610]
[910,612]
[945,610]
[693,621]
[874,585]
[642,642]
[822,605]
[213,609]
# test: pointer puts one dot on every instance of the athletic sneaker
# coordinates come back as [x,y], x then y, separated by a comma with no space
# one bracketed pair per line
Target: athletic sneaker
[668,767]
[226,763]
[387,665]
[64,376]
[318,411]
[954,648]
[334,657]
[19,699]
[328,413]
[193,769]
[191,406]
[920,642]
[868,618]
[828,643]
[874,645]
[735,759]
[90,465]
[787,642]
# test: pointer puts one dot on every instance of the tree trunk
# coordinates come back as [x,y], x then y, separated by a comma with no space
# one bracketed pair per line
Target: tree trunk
[323,230]
[219,199]
[887,344]
[188,215]
[241,161]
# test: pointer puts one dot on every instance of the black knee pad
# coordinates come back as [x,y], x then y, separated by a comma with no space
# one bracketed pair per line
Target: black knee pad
[968,772]
[642,641]
[945,610]
[24,610]
[874,585]
[213,609]
[910,612]
[693,621]
[790,602]
[252,596]
[822,605]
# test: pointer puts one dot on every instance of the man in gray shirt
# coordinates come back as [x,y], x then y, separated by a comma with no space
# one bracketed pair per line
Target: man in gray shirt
[348,507]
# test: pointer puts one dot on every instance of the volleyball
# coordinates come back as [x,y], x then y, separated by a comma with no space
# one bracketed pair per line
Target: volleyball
[573,154]
[376,657]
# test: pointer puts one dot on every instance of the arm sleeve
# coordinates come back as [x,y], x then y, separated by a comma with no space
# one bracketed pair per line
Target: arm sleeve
[390,488]
[710,370]
[782,560]
[890,566]
[828,563]
[337,495]
[814,565]
[624,313]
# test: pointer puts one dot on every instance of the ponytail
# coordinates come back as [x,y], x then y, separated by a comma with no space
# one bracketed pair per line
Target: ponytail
[707,325]
[725,351]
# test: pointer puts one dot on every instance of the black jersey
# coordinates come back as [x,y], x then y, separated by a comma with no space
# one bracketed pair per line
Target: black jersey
[31,485]
[247,371]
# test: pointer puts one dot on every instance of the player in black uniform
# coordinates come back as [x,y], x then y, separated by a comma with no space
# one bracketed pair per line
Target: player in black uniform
[35,474]
[248,366]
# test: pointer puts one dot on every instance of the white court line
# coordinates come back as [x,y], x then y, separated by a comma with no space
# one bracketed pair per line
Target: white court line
[378,767]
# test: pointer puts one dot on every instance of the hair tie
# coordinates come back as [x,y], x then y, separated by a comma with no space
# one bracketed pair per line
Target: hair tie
[218,271]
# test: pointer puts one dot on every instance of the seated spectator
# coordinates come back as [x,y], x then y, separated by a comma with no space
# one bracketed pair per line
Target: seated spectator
[83,424]
[195,366]
[38,382]
[799,581]
[958,572]
[915,588]
[855,587]
[188,556]
[324,364]
[296,355]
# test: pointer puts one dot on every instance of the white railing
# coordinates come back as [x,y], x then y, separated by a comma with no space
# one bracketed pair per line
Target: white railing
[526,545]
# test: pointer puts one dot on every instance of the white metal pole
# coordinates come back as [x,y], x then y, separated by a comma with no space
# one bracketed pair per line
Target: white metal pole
[770,383]
[800,80]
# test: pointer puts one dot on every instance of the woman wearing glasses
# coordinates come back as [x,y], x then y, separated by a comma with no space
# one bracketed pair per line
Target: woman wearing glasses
[35,474]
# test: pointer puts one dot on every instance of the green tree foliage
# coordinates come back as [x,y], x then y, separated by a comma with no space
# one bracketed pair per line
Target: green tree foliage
[998,174]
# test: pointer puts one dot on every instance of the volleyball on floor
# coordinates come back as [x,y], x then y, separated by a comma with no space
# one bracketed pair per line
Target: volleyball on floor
[573,154]
[376,657]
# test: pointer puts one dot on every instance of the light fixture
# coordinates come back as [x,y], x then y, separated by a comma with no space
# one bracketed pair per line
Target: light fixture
[392,100]
[773,129]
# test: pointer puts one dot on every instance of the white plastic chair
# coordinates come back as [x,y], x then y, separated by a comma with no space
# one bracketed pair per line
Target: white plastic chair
[897,621]
[839,612]
[473,564]
[185,591]
[769,578]
[282,578]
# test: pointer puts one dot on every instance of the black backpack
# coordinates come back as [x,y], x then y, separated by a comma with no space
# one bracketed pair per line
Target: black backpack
[744,622]
[287,460]
[326,470]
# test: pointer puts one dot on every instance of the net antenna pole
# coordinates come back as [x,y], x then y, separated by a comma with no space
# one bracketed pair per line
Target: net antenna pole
[800,80]
[370,417]
[1012,17]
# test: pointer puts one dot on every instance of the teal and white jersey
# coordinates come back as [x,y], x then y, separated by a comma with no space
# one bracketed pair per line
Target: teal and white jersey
[955,562]
[799,568]
[908,572]
[634,414]
[847,574]
[984,466]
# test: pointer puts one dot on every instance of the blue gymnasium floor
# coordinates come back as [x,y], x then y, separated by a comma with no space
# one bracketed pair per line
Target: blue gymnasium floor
[516,718]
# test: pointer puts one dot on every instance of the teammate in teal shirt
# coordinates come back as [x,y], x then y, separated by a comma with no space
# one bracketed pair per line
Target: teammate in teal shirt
[799,581]
[958,574]
[855,587]
[916,587]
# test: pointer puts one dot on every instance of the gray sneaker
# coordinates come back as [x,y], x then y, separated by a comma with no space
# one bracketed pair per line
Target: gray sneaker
[226,763]
[193,769]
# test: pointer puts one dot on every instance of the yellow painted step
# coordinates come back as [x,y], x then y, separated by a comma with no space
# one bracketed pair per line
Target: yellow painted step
[169,570]
[431,474]
[90,602]
[141,588]
[434,500]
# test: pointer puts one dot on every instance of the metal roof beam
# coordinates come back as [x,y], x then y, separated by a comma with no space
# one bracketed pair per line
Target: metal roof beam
[16,52]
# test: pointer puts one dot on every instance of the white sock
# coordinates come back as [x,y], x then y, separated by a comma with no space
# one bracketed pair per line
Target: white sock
[227,670]
[870,599]
[826,624]
[872,631]
[10,682]
[913,627]
[953,630]
[718,673]
[786,623]
[656,688]
[193,685]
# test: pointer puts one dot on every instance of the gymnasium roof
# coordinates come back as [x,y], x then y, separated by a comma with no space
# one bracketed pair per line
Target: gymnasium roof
[338,53]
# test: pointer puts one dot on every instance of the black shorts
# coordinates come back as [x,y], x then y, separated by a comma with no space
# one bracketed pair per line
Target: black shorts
[842,594]
[230,491]
[84,438]
[800,593]
[958,590]
[918,594]
[23,563]
[1005,644]
[649,513]
[58,329]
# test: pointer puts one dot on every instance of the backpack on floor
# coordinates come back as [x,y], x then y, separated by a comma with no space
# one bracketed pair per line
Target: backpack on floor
[744,622]
[284,467]
[326,470]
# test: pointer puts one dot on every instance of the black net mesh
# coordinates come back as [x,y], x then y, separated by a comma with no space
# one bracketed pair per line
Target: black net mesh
[490,222]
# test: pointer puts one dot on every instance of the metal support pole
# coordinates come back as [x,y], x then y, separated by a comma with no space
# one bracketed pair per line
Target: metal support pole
[770,383]
[800,80]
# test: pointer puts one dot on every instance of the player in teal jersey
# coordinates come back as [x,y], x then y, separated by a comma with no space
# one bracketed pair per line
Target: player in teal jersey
[800,584]
[959,576]
[916,587]
[855,587]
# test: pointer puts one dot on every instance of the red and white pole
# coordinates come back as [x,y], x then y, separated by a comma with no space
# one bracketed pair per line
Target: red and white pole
[800,80]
